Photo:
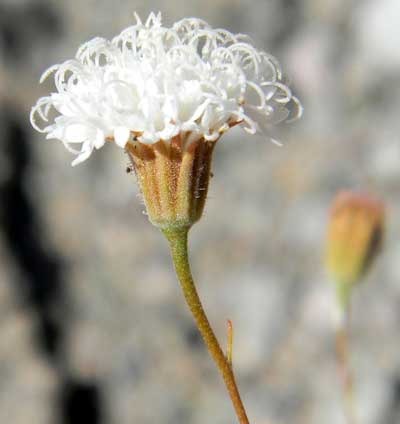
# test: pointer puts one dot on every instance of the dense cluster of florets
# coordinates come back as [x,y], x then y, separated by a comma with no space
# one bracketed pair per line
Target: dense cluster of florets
[152,83]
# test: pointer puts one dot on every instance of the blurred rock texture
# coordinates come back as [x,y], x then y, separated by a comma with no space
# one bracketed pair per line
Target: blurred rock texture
[93,326]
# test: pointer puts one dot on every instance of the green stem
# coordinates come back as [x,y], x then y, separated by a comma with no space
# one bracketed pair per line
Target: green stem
[343,356]
[177,238]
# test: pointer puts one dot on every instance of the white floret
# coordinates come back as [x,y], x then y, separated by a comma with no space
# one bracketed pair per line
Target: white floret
[151,83]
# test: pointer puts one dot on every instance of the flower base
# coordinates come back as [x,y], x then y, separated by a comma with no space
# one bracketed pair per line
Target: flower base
[173,176]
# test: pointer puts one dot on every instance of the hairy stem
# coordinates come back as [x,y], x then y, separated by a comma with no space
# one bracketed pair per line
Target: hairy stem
[178,243]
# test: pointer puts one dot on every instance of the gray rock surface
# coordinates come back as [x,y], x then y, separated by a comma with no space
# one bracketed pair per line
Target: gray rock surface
[257,254]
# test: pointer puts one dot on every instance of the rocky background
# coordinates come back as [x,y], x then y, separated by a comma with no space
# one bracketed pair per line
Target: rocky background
[93,327]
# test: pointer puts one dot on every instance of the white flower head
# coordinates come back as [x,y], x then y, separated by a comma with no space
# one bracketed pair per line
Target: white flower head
[151,83]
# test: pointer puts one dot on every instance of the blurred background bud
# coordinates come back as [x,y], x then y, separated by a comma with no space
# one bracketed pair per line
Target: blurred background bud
[355,233]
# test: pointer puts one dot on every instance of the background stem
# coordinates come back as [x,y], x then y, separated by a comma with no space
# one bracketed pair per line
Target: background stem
[178,243]
[343,356]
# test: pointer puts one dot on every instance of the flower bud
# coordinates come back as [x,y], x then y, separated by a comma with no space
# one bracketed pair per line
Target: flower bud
[355,234]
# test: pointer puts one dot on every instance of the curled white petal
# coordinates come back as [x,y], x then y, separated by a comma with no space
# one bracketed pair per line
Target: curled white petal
[76,133]
[152,82]
[100,139]
[121,136]
[48,72]
[84,154]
